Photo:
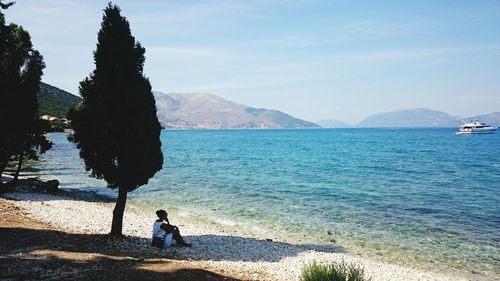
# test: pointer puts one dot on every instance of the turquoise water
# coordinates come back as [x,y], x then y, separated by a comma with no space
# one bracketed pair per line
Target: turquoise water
[424,197]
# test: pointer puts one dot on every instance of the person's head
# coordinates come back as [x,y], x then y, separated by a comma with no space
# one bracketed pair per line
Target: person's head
[162,214]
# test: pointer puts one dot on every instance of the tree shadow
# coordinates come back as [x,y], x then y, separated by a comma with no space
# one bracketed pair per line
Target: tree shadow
[29,254]
[205,247]
[55,267]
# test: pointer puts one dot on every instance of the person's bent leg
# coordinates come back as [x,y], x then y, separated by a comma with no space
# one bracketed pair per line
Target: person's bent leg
[178,239]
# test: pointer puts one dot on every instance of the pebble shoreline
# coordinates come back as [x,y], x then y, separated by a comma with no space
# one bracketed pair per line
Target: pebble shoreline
[214,246]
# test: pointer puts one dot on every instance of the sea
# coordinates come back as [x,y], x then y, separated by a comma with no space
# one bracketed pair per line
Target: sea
[421,197]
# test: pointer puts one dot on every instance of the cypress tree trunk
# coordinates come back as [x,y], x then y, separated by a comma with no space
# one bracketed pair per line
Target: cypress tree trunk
[19,165]
[117,223]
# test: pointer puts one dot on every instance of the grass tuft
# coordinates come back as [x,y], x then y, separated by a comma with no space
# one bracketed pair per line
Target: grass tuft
[333,272]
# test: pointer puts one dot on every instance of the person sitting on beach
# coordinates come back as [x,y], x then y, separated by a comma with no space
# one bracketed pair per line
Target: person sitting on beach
[163,232]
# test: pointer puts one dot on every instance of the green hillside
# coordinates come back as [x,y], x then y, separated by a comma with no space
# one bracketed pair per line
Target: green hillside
[54,101]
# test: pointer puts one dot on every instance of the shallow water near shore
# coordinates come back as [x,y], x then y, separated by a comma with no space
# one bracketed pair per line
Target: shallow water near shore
[424,197]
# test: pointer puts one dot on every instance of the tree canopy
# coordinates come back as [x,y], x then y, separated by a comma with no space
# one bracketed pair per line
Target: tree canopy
[21,68]
[115,125]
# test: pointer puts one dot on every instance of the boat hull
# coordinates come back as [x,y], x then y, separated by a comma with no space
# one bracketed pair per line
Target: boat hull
[487,131]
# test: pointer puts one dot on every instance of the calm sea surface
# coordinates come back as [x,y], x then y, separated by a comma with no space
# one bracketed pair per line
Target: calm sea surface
[421,196]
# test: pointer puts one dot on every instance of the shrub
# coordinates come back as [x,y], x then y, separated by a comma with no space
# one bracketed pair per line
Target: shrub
[333,272]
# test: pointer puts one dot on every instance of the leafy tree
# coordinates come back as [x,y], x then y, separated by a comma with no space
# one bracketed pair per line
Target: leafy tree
[115,125]
[22,132]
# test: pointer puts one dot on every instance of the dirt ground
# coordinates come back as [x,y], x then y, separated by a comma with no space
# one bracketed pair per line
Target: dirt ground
[32,250]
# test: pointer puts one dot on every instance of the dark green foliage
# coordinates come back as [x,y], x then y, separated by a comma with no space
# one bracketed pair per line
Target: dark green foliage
[6,5]
[55,102]
[115,125]
[21,131]
[333,272]
[58,126]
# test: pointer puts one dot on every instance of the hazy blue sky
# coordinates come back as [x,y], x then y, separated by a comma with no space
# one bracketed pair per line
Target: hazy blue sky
[312,59]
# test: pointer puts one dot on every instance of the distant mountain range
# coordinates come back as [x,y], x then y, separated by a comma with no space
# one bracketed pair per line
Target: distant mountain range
[205,111]
[422,117]
[54,101]
[412,118]
[185,111]
[418,117]
[490,119]
[332,123]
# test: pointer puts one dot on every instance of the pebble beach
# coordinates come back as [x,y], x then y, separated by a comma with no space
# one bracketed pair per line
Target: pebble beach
[215,246]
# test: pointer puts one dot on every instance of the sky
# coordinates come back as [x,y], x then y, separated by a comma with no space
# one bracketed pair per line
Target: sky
[332,59]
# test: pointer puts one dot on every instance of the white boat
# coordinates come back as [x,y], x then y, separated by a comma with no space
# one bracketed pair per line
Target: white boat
[475,127]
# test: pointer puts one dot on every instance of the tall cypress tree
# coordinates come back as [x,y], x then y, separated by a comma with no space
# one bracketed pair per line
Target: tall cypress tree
[115,125]
[22,132]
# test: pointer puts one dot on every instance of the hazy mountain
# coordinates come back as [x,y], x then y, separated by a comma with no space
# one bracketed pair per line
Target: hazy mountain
[332,123]
[418,117]
[205,111]
[54,101]
[492,119]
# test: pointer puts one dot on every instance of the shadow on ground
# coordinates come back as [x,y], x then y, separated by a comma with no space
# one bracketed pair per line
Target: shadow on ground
[28,254]
[205,247]
[237,248]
